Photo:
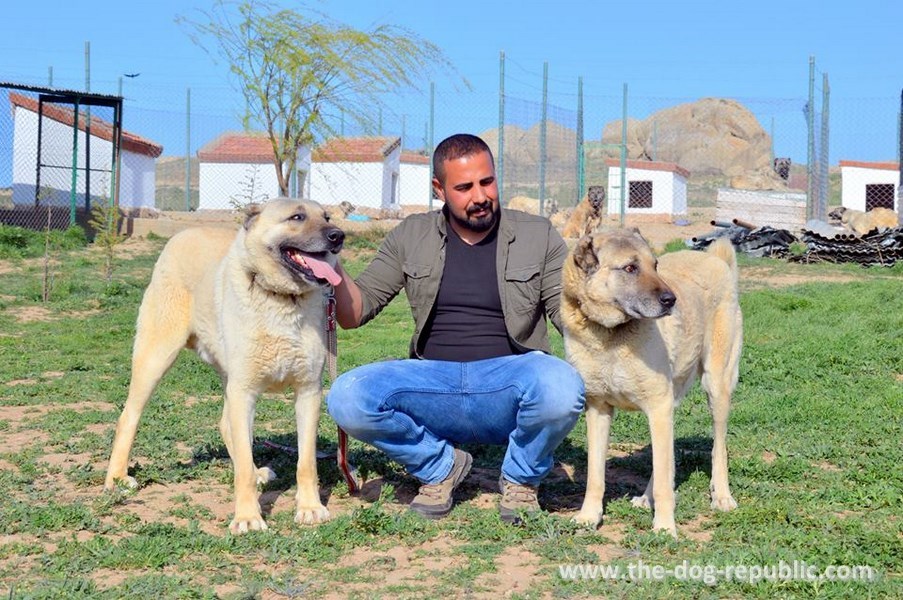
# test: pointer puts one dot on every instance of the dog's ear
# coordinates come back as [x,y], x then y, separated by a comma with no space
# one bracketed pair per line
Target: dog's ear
[252,211]
[584,255]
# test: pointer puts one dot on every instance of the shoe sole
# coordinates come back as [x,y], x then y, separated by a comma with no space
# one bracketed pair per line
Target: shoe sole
[437,512]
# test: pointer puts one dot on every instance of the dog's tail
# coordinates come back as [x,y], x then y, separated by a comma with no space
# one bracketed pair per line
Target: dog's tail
[723,248]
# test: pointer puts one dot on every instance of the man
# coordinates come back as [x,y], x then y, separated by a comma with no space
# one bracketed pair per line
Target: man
[480,281]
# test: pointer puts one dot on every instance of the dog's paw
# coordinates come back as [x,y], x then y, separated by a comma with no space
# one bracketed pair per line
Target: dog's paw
[642,502]
[126,483]
[265,475]
[669,528]
[244,525]
[588,518]
[311,515]
[724,503]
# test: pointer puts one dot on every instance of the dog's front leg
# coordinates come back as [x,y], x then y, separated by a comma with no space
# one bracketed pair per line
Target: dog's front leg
[598,426]
[240,405]
[309,509]
[661,429]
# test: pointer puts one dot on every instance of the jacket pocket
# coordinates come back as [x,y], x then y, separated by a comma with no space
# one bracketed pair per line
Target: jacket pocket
[416,283]
[523,288]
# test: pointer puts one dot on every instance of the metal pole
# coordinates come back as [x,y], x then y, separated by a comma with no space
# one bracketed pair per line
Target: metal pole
[88,130]
[49,76]
[430,140]
[74,164]
[623,156]
[188,150]
[581,161]
[900,158]
[403,130]
[542,136]
[822,208]
[500,159]
[810,152]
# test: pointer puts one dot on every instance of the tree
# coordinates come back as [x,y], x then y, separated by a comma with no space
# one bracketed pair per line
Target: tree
[297,71]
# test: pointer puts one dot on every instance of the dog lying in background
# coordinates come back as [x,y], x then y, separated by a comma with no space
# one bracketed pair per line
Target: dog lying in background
[531,205]
[863,222]
[640,331]
[251,304]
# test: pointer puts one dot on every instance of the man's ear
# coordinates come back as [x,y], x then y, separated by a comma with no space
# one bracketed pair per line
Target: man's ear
[437,189]
[585,256]
[252,211]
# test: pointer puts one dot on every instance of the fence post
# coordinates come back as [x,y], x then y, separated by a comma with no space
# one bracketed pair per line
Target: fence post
[810,151]
[823,187]
[430,141]
[542,136]
[900,158]
[188,150]
[500,159]
[623,156]
[581,160]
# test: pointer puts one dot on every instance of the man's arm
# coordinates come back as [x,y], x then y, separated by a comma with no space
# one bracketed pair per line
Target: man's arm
[359,300]
[556,252]
[348,301]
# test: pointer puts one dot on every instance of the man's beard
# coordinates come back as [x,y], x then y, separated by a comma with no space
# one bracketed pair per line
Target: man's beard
[478,224]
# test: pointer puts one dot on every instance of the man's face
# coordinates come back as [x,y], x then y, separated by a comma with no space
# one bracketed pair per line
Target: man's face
[470,191]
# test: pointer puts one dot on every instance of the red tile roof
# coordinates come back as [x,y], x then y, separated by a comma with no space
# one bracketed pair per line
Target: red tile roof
[238,147]
[650,166]
[414,158]
[361,149]
[884,166]
[99,128]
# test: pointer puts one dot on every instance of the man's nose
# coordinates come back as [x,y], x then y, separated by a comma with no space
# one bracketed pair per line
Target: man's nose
[479,195]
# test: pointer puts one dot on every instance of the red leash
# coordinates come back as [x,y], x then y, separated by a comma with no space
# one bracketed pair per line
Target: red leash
[352,478]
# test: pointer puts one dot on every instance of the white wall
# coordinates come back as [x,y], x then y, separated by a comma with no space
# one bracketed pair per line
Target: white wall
[359,183]
[853,182]
[669,192]
[415,185]
[221,185]
[137,172]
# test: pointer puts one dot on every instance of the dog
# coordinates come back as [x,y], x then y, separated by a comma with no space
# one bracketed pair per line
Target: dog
[251,304]
[640,330]
[531,205]
[864,222]
[587,216]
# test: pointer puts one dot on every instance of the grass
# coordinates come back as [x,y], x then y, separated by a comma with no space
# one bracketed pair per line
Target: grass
[814,442]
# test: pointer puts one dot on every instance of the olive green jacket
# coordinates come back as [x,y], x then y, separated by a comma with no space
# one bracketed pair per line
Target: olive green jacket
[529,259]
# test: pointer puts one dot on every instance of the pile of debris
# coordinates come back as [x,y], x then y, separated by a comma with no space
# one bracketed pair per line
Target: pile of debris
[823,243]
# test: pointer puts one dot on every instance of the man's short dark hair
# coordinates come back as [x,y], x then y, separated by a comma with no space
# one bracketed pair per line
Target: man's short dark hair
[456,146]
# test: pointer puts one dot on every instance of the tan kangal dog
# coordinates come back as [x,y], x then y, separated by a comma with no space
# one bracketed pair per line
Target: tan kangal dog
[640,331]
[251,304]
[863,222]
[587,215]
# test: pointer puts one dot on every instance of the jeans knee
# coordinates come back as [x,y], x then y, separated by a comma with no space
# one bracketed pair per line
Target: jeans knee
[344,402]
[559,391]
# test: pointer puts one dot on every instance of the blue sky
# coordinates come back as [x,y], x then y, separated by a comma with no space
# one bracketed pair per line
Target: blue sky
[666,52]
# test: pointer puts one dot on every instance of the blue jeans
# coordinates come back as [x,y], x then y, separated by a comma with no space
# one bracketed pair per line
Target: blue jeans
[416,411]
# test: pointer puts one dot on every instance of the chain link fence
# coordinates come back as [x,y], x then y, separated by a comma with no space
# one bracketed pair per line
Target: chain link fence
[766,160]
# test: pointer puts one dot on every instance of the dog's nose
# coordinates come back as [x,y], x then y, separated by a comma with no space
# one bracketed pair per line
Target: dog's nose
[335,236]
[667,299]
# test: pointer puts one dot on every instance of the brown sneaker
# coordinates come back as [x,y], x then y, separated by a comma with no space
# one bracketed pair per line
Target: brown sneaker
[435,500]
[516,498]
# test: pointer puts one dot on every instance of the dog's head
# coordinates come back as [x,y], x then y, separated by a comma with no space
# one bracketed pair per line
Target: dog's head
[610,277]
[837,213]
[290,245]
[595,196]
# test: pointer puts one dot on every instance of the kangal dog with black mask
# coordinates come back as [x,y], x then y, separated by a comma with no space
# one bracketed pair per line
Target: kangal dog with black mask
[251,303]
[641,330]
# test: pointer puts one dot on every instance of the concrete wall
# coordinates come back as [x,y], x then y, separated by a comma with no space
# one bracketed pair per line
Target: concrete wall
[781,210]
[222,185]
[854,180]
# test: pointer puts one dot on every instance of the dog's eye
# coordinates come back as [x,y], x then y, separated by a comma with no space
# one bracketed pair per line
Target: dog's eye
[630,269]
[298,217]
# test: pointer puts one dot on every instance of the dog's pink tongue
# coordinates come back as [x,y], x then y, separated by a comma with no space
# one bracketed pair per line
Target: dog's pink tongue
[323,270]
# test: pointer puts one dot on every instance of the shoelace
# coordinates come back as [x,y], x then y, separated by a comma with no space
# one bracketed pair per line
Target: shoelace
[519,493]
[432,490]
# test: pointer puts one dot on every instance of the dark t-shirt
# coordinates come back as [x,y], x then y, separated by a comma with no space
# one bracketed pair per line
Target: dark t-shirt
[467,322]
